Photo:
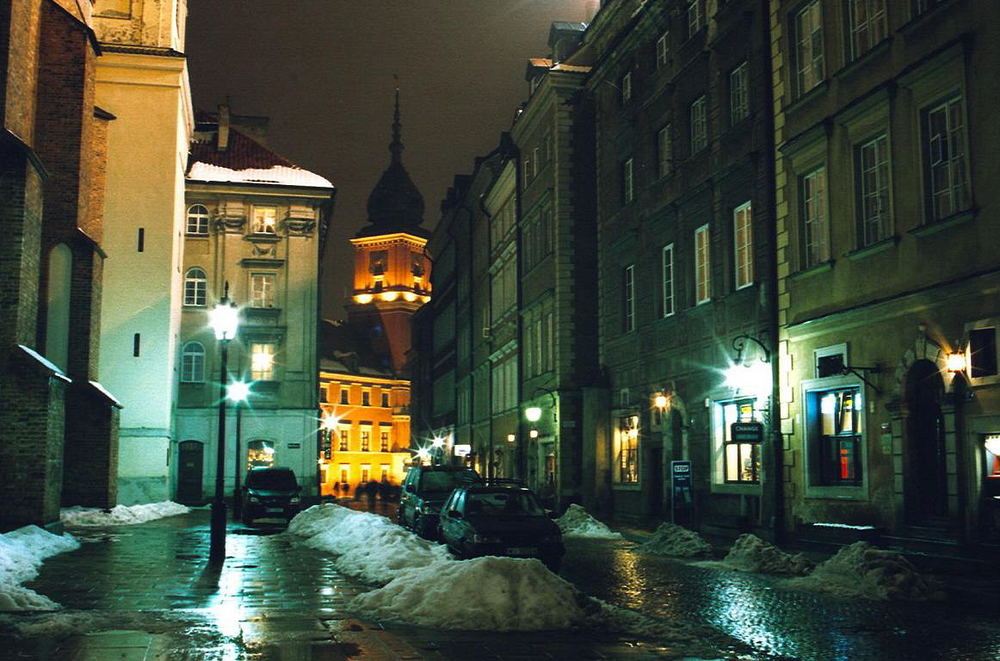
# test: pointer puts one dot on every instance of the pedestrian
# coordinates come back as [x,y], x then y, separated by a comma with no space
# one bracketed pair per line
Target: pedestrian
[383,491]
[358,491]
[370,490]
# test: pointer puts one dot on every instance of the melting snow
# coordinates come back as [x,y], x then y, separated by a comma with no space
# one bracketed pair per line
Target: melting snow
[860,570]
[576,522]
[21,553]
[672,539]
[120,514]
[751,553]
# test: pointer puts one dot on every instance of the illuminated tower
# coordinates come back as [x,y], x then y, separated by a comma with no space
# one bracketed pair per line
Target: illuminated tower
[391,267]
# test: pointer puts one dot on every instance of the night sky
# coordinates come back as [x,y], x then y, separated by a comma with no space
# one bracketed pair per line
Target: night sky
[322,70]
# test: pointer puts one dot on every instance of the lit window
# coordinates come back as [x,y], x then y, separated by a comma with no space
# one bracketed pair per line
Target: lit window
[743,245]
[945,159]
[197,220]
[628,181]
[702,265]
[366,471]
[417,265]
[378,261]
[366,440]
[195,287]
[627,440]
[741,458]
[835,435]
[739,93]
[262,362]
[868,25]
[808,34]
[662,49]
[193,363]
[344,435]
[626,87]
[345,472]
[668,280]
[383,441]
[664,151]
[695,16]
[628,295]
[699,125]
[264,220]
[816,247]
[873,190]
[262,290]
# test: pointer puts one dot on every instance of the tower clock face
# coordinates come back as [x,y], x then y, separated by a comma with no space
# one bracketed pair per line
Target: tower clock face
[378,261]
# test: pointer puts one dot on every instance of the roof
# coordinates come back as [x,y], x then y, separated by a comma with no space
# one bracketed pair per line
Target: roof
[346,348]
[244,161]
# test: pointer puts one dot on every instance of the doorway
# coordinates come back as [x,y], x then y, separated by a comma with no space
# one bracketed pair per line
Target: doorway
[926,478]
[191,459]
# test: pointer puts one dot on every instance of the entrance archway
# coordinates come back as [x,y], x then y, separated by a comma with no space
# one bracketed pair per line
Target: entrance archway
[926,478]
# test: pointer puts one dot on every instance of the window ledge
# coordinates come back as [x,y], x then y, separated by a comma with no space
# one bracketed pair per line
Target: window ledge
[262,237]
[945,223]
[822,267]
[864,59]
[873,249]
[736,489]
[826,492]
[808,97]
[622,486]
[196,235]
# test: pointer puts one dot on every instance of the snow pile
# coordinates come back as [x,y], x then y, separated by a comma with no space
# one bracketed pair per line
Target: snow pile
[576,522]
[672,539]
[120,514]
[751,553]
[370,547]
[21,553]
[864,571]
[498,594]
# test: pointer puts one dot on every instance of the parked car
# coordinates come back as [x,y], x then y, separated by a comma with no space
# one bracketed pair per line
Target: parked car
[500,519]
[270,492]
[425,489]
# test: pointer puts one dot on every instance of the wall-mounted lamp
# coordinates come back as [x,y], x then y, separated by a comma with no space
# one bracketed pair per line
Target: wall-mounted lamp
[956,361]
[511,438]
[533,413]
[533,433]
[661,401]
[754,376]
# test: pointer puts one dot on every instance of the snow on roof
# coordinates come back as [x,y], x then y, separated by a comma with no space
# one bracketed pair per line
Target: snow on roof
[244,160]
[277,174]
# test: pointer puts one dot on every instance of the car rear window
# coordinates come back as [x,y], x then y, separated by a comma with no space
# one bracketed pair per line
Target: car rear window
[279,480]
[500,504]
[446,480]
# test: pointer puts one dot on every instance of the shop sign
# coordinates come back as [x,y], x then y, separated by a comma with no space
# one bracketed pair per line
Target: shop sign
[747,432]
[463,450]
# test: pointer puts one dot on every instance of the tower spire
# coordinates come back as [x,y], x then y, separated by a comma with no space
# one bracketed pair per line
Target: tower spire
[396,146]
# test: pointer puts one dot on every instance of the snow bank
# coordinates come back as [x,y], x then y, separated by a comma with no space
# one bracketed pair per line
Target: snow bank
[370,547]
[859,570]
[498,594]
[672,539]
[120,514]
[751,553]
[21,553]
[576,522]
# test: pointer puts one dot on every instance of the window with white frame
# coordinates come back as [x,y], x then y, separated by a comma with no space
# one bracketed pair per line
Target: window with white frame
[193,363]
[627,450]
[702,266]
[626,87]
[664,152]
[628,298]
[343,438]
[662,49]
[739,93]
[743,245]
[667,277]
[740,458]
[366,437]
[262,290]
[945,160]
[695,16]
[264,220]
[195,286]
[699,124]
[815,231]
[873,190]
[808,52]
[834,429]
[868,25]
[628,181]
[262,361]
[197,220]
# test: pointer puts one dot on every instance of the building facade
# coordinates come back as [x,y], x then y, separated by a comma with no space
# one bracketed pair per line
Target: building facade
[253,232]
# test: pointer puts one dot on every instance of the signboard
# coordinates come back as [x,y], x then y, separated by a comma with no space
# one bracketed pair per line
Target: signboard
[681,494]
[463,450]
[747,432]
[294,446]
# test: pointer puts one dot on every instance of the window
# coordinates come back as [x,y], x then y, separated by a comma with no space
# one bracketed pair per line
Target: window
[344,434]
[944,146]
[808,52]
[695,16]
[345,471]
[668,280]
[385,400]
[628,298]
[262,362]
[739,93]
[526,172]
[195,287]
[383,472]
[344,393]
[626,87]
[873,190]
[262,290]
[264,220]
[536,158]
[743,245]
[197,220]
[702,270]
[982,352]
[140,240]
[378,261]
[417,264]
[628,181]
[136,344]
[741,459]
[664,152]
[662,49]
[816,248]
[628,449]
[835,434]
[193,363]
[920,6]
[366,440]
[699,125]
[868,25]
[366,470]
[383,441]
[366,398]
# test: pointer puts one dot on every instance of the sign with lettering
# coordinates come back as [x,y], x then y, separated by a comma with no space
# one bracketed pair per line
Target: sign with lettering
[747,432]
[462,450]
[681,493]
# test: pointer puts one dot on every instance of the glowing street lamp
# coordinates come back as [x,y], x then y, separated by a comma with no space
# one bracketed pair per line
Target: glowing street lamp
[225,321]
[238,392]
[533,413]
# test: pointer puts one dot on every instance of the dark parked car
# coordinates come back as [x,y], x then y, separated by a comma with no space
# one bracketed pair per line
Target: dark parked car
[425,489]
[270,492]
[500,519]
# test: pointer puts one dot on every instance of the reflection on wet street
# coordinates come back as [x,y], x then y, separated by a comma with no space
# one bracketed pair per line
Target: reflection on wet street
[776,620]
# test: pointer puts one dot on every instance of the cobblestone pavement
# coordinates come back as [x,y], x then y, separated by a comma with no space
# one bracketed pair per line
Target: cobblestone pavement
[145,592]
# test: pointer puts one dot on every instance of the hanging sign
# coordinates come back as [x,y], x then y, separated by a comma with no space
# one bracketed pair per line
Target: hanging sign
[747,432]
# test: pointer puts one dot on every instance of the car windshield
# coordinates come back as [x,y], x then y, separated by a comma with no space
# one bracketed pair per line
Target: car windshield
[445,480]
[277,480]
[503,503]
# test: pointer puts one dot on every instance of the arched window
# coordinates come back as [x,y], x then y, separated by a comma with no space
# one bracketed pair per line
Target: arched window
[197,219]
[193,363]
[195,286]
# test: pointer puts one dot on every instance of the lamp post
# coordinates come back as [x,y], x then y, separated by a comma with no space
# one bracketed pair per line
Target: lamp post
[225,321]
[238,392]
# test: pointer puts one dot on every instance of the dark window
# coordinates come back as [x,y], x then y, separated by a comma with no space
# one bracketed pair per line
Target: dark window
[982,352]
[135,345]
[141,239]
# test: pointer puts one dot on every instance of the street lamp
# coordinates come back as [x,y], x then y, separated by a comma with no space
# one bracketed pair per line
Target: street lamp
[238,392]
[225,321]
[438,443]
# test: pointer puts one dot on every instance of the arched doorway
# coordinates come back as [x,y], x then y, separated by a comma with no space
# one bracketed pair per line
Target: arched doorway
[191,457]
[926,478]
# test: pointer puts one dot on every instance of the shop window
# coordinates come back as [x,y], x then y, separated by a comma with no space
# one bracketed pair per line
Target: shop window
[835,435]
[991,446]
[740,455]
[627,442]
[260,453]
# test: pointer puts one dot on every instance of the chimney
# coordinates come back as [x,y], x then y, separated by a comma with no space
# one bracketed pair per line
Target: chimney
[223,138]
